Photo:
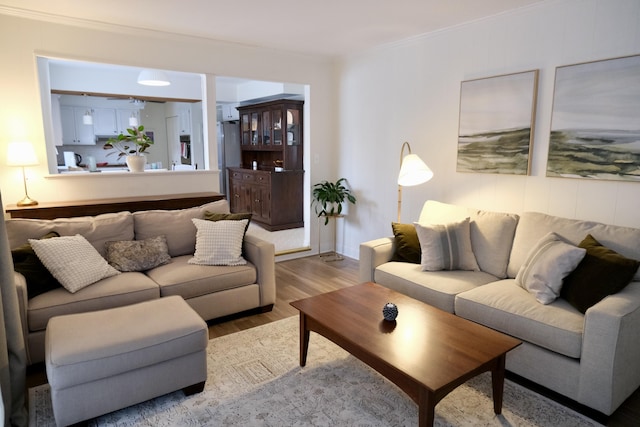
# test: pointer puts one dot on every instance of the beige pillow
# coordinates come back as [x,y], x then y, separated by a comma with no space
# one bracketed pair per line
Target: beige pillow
[72,260]
[219,242]
[549,261]
[446,246]
[138,255]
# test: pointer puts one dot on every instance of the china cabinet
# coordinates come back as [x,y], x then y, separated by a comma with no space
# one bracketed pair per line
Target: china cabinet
[270,139]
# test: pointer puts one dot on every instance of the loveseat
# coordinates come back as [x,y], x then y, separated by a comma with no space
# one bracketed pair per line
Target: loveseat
[576,345]
[211,290]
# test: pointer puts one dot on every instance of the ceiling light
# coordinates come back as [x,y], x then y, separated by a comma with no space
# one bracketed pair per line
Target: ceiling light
[153,78]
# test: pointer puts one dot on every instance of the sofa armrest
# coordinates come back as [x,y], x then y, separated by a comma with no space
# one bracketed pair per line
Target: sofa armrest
[262,254]
[372,254]
[611,350]
[23,301]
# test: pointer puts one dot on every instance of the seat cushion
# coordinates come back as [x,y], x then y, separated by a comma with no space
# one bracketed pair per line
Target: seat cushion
[508,308]
[436,288]
[114,291]
[191,280]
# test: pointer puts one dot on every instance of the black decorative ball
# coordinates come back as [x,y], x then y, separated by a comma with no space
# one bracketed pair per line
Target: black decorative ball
[390,311]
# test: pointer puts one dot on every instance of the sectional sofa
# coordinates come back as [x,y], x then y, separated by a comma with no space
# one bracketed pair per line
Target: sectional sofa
[168,238]
[574,343]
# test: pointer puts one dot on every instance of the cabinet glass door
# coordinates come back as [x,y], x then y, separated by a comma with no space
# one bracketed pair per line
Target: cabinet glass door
[246,133]
[276,116]
[266,127]
[293,127]
[254,129]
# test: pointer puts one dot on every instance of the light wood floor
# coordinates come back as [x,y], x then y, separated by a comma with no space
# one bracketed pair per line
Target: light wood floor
[304,277]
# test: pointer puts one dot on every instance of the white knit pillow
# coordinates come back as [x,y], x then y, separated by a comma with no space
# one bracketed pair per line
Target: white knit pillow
[547,264]
[219,242]
[72,260]
[446,246]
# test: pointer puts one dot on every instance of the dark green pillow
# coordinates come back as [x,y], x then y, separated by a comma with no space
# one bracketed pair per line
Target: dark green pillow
[27,263]
[407,243]
[214,216]
[601,272]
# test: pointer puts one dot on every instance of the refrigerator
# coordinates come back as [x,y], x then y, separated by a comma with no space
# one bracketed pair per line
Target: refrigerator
[228,151]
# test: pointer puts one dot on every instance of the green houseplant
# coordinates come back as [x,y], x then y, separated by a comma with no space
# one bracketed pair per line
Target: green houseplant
[131,145]
[328,198]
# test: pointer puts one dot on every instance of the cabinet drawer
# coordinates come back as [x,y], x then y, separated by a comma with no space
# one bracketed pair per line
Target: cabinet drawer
[263,179]
[236,176]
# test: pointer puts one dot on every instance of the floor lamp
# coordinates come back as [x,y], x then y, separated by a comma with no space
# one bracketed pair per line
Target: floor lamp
[413,171]
[22,154]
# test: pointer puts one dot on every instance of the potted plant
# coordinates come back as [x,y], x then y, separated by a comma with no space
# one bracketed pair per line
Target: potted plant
[329,196]
[131,145]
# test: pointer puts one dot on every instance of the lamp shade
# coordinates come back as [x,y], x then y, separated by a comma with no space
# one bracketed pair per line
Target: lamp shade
[21,154]
[413,171]
[153,78]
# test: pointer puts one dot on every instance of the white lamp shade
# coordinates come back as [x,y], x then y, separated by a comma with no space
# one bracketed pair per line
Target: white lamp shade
[153,78]
[21,154]
[133,121]
[87,119]
[413,171]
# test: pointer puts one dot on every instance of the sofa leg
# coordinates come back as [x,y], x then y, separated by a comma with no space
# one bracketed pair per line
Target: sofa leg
[266,308]
[193,389]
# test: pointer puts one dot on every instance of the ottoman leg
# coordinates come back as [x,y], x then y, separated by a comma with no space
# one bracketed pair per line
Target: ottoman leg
[193,389]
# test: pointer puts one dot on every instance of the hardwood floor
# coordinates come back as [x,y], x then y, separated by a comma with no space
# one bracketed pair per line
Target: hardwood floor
[304,277]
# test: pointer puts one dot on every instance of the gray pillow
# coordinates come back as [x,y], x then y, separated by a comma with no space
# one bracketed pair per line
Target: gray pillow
[138,255]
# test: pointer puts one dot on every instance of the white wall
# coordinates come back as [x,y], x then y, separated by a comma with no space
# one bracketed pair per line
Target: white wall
[410,91]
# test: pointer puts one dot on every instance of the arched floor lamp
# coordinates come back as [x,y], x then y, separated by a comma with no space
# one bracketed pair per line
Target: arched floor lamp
[413,171]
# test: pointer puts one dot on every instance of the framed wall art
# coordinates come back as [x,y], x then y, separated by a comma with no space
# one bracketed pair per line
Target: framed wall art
[497,115]
[595,123]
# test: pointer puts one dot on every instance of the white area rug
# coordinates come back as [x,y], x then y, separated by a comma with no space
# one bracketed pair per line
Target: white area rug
[255,380]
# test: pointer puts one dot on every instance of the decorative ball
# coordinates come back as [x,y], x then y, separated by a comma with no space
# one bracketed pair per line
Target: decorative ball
[390,311]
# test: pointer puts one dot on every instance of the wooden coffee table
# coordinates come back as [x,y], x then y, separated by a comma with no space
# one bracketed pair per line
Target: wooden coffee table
[425,351]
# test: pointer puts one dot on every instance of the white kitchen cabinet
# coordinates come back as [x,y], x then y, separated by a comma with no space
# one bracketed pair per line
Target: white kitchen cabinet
[105,121]
[74,131]
[123,119]
[230,112]
[184,120]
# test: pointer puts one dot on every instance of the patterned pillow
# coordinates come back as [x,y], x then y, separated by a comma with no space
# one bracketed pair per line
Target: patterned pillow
[138,255]
[27,263]
[219,242]
[446,246]
[73,261]
[549,261]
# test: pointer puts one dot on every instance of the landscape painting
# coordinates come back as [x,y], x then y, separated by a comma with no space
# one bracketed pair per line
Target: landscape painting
[595,125]
[496,123]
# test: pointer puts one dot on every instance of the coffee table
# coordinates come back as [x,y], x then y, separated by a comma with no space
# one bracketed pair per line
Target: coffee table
[426,352]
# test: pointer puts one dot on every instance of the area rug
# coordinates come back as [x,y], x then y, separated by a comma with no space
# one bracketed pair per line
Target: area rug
[254,379]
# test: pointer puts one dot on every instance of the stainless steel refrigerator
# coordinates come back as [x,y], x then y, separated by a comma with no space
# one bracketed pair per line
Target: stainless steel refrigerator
[228,151]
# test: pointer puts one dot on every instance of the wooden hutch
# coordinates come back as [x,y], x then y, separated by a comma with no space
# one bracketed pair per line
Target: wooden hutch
[269,182]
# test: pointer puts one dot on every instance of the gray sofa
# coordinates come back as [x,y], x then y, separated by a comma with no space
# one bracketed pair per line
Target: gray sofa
[591,358]
[212,291]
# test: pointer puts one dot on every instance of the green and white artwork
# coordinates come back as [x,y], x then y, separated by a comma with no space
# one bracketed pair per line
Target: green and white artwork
[496,123]
[595,125]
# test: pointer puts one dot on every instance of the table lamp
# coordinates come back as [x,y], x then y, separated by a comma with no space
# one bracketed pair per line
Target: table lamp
[22,154]
[413,171]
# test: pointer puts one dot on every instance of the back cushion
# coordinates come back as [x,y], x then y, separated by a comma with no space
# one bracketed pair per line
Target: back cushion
[96,229]
[491,232]
[534,225]
[176,225]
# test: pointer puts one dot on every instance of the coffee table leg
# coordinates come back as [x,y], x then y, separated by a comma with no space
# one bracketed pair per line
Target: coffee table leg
[497,378]
[426,408]
[304,339]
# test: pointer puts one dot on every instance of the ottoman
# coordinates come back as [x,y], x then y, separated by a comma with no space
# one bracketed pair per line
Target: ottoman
[102,361]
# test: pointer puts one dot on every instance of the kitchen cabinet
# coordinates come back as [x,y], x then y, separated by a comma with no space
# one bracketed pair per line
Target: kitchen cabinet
[184,120]
[112,121]
[74,131]
[123,119]
[230,112]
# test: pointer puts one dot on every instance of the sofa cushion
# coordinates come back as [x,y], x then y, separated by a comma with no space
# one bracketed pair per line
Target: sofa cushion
[72,261]
[407,248]
[602,272]
[181,235]
[215,216]
[219,242]
[114,291]
[138,255]
[508,308]
[96,229]
[491,232]
[192,280]
[548,263]
[26,262]
[446,246]
[437,288]
[533,225]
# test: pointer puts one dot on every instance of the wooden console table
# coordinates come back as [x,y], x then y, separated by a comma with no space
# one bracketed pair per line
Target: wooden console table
[52,210]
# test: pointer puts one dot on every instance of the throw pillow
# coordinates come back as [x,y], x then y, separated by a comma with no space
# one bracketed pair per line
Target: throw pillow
[446,246]
[27,263]
[602,272]
[219,242]
[73,261]
[215,216]
[407,243]
[549,261]
[138,255]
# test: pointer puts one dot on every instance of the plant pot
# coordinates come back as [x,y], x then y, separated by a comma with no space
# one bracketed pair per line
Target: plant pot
[136,163]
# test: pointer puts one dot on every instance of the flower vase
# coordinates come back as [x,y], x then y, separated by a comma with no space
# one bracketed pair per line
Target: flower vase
[136,163]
